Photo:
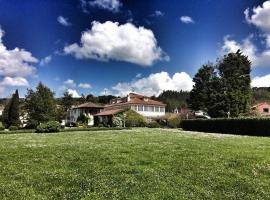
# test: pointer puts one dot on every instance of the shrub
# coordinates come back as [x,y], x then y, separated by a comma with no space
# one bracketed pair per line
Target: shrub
[153,124]
[13,128]
[1,127]
[117,121]
[82,119]
[174,121]
[238,126]
[134,119]
[49,127]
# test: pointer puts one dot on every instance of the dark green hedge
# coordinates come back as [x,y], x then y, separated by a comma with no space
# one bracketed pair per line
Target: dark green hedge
[238,126]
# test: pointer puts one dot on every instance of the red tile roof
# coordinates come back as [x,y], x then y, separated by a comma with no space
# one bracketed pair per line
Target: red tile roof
[110,112]
[89,105]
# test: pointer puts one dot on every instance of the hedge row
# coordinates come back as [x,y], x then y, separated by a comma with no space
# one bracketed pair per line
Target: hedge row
[238,126]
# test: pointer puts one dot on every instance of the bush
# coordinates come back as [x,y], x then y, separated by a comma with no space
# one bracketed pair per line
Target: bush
[1,127]
[49,127]
[238,126]
[13,128]
[117,121]
[174,121]
[153,124]
[134,119]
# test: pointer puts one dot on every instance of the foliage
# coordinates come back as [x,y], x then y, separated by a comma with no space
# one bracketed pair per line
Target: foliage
[1,126]
[99,164]
[48,127]
[82,119]
[40,105]
[13,128]
[67,101]
[153,124]
[260,95]
[174,121]
[134,119]
[238,126]
[223,88]
[174,99]
[117,121]
[11,116]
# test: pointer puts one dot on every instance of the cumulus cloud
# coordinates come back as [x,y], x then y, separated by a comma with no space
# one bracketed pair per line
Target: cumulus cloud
[111,5]
[70,83]
[15,65]
[45,61]
[74,93]
[16,81]
[63,21]
[85,85]
[112,41]
[187,20]
[259,17]
[16,62]
[155,84]
[261,81]
[106,91]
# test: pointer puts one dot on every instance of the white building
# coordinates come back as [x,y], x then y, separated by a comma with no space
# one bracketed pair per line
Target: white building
[87,109]
[145,106]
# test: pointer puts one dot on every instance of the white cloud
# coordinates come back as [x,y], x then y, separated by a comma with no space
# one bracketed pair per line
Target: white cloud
[74,93]
[187,20]
[158,13]
[45,60]
[139,75]
[259,17]
[261,81]
[111,5]
[85,85]
[63,21]
[70,83]
[111,41]
[16,62]
[16,81]
[154,84]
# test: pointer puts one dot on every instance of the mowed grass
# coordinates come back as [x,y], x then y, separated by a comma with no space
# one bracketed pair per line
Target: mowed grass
[134,164]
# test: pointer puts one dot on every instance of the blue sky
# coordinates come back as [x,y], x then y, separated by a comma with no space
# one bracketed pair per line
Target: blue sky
[118,46]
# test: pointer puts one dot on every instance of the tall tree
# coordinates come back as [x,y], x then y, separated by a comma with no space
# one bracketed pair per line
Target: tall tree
[67,101]
[11,115]
[234,70]
[40,105]
[202,91]
[225,88]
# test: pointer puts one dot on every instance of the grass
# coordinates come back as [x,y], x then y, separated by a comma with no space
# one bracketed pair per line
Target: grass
[134,164]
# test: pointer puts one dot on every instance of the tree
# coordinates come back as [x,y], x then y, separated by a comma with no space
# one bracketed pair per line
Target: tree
[234,70]
[224,88]
[67,101]
[173,99]
[40,105]
[11,115]
[202,90]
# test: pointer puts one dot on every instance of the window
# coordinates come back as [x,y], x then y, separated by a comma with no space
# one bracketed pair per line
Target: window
[151,108]
[140,108]
[162,109]
[156,109]
[134,108]
[266,110]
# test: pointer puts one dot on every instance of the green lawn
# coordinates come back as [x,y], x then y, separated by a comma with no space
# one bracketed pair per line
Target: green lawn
[134,164]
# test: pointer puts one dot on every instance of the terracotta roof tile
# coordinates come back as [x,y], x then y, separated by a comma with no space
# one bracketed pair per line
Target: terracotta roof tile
[110,112]
[89,105]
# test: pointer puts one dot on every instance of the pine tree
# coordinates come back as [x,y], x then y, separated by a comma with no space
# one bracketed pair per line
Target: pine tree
[11,116]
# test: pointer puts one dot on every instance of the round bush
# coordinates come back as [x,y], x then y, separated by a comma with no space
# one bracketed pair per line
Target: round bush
[153,124]
[13,128]
[174,121]
[134,119]
[49,127]
[117,122]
